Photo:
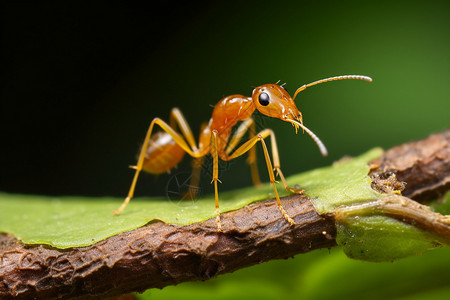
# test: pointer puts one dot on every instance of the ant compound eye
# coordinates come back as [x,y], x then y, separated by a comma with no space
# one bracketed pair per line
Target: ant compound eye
[264,99]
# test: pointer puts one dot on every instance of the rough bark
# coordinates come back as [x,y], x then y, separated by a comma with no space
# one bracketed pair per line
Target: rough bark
[161,254]
[421,170]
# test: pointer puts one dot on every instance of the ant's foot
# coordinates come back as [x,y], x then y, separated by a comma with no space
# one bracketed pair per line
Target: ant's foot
[116,211]
[289,219]
[286,216]
[121,208]
[296,190]
[219,224]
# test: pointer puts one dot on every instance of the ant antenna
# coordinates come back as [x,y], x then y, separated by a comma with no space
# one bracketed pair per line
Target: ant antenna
[359,77]
[316,139]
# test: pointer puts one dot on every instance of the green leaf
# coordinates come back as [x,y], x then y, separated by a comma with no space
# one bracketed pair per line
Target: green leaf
[379,238]
[442,205]
[65,222]
[345,182]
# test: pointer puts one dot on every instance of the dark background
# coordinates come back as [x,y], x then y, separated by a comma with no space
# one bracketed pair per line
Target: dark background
[81,82]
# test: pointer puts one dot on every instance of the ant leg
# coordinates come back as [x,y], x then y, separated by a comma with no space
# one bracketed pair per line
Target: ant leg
[176,117]
[246,147]
[297,191]
[177,138]
[197,164]
[251,160]
[277,167]
[247,125]
[215,179]
[250,126]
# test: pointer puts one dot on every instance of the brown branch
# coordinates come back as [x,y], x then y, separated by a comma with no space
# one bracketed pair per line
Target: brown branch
[423,165]
[161,254]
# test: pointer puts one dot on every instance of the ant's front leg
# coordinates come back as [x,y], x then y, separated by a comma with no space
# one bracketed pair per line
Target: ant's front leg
[297,190]
[277,168]
[246,147]
[246,126]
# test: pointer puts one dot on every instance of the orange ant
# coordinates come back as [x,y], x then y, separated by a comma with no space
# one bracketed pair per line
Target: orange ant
[164,150]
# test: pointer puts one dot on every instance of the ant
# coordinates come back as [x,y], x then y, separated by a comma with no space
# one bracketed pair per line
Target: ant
[163,150]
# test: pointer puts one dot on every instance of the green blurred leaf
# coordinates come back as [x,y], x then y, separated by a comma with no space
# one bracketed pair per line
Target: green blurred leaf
[353,279]
[379,238]
[442,205]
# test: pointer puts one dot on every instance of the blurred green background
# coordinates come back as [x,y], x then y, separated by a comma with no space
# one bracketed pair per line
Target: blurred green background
[83,81]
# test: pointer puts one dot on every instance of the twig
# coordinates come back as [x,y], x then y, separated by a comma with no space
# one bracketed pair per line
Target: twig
[161,254]
[404,209]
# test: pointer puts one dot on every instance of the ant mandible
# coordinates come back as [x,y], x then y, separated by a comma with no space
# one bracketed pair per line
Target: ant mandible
[164,150]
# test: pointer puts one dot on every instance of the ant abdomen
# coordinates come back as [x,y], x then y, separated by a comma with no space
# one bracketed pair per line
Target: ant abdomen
[163,153]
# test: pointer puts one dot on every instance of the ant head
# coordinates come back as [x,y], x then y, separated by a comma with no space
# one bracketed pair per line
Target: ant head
[274,101]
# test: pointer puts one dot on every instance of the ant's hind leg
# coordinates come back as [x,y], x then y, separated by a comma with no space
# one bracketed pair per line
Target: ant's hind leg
[138,169]
[177,118]
[176,137]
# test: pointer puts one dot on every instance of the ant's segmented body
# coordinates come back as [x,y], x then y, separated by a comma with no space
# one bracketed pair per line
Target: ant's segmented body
[162,151]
